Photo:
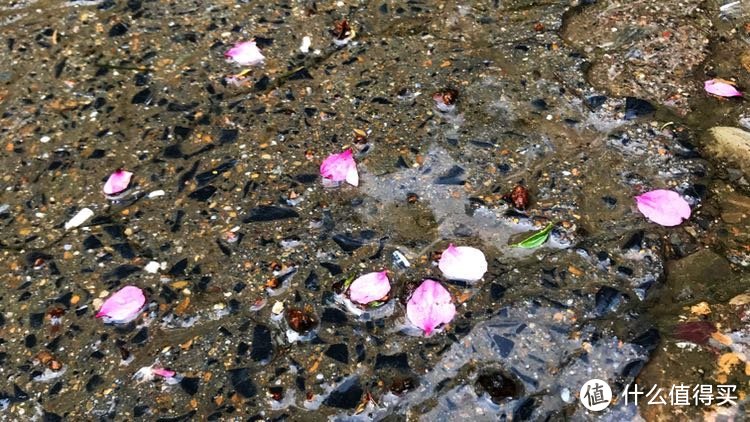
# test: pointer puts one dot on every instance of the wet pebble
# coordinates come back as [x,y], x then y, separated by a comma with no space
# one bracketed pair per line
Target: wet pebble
[269,213]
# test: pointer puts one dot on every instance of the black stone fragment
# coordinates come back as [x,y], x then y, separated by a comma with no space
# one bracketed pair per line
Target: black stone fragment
[36,320]
[636,107]
[241,381]
[334,316]
[338,352]
[173,151]
[179,268]
[398,361]
[504,345]
[118,29]
[596,101]
[347,242]
[497,291]
[269,213]
[381,100]
[539,104]
[262,84]
[51,417]
[312,282]
[210,175]
[228,136]
[635,241]
[92,242]
[18,394]
[125,250]
[94,382]
[524,409]
[499,386]
[140,337]
[203,194]
[333,269]
[607,300]
[300,75]
[190,385]
[451,177]
[649,339]
[140,410]
[121,272]
[59,67]
[262,344]
[143,96]
[347,396]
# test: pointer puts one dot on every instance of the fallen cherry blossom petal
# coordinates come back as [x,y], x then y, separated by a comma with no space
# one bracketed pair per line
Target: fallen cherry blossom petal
[165,373]
[429,306]
[340,167]
[663,207]
[245,54]
[370,287]
[117,182]
[78,219]
[123,306]
[721,88]
[462,263]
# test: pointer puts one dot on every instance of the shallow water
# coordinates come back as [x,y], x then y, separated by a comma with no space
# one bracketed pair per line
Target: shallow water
[245,222]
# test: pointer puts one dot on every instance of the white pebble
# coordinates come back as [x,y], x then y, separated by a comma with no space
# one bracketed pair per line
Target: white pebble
[152,267]
[83,215]
[156,194]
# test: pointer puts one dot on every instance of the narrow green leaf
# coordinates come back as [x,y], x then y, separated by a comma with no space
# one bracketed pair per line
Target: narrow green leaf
[535,240]
[349,281]
[375,304]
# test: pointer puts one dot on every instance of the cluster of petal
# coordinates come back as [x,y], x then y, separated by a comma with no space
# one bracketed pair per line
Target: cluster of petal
[245,54]
[720,88]
[117,182]
[663,207]
[430,306]
[462,263]
[370,287]
[340,167]
[123,306]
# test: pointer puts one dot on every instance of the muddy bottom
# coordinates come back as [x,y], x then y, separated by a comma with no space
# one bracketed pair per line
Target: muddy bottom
[242,249]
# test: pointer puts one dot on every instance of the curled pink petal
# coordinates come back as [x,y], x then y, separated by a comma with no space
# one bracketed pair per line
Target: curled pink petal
[340,167]
[165,373]
[663,207]
[370,287]
[429,306]
[123,306]
[245,54]
[117,182]
[721,88]
[462,263]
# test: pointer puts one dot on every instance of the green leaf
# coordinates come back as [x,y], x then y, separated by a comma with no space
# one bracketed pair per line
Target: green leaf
[375,304]
[535,240]
[349,281]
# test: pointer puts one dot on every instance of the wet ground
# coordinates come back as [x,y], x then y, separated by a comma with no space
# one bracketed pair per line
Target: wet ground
[586,104]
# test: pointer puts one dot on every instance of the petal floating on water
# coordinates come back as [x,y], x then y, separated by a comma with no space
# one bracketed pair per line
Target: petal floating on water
[123,306]
[663,207]
[429,306]
[245,53]
[721,88]
[117,182]
[462,263]
[340,167]
[370,287]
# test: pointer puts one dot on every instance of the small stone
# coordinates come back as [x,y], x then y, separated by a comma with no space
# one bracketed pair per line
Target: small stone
[278,308]
[152,267]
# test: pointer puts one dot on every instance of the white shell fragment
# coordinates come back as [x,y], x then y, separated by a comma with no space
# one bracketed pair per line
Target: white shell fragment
[78,219]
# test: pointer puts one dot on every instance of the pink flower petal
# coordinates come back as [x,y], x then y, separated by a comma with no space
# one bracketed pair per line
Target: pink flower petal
[117,182]
[370,287]
[720,88]
[166,373]
[663,207]
[462,263]
[123,306]
[340,167]
[245,54]
[429,306]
